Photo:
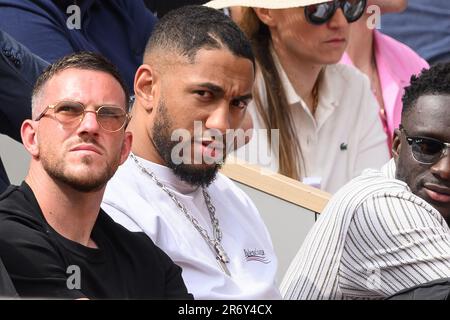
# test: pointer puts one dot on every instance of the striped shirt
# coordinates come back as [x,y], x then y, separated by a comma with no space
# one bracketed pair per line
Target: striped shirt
[374,238]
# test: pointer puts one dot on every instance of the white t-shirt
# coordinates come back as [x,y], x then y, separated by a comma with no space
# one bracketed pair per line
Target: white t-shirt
[134,200]
[343,138]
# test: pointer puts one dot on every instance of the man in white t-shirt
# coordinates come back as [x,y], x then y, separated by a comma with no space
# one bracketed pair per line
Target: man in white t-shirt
[194,85]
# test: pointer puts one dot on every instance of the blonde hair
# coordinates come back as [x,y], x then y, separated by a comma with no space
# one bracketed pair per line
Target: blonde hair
[277,114]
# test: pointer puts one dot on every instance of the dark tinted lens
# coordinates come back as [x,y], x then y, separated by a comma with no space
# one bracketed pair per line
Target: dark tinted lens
[319,13]
[111,118]
[68,111]
[426,150]
[353,9]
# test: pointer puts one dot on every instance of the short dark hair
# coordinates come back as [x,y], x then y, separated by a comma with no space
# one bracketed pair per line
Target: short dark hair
[160,8]
[190,28]
[433,81]
[83,61]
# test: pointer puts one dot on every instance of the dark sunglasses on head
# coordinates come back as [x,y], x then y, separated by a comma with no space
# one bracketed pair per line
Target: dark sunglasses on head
[426,150]
[322,12]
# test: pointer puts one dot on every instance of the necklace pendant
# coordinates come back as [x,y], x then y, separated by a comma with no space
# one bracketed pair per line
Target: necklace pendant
[222,258]
[221,254]
[223,266]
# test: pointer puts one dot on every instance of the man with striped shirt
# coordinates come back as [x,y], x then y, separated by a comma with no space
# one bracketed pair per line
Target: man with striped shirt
[387,230]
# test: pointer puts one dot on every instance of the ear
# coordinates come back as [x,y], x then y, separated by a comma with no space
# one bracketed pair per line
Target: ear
[266,16]
[396,144]
[29,135]
[126,146]
[144,81]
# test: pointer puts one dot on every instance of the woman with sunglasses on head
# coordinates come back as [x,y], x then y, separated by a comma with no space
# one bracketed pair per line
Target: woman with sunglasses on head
[329,130]
[388,63]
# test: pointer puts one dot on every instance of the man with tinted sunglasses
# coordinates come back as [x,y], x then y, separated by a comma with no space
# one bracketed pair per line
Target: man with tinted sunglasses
[55,241]
[387,230]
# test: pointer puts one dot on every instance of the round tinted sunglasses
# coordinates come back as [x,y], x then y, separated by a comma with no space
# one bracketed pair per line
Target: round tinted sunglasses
[71,114]
[322,12]
[426,150]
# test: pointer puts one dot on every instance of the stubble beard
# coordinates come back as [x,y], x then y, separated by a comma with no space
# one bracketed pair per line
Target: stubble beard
[89,181]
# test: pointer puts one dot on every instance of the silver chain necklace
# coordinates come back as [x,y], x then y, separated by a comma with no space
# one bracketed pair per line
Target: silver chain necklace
[214,244]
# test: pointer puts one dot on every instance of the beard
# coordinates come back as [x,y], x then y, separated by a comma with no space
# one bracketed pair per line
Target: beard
[87,181]
[196,175]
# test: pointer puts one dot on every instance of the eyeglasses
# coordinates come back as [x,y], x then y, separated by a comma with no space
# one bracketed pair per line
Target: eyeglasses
[71,114]
[322,12]
[426,150]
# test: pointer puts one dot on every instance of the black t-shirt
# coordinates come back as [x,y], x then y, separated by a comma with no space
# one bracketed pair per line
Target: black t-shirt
[6,287]
[44,264]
